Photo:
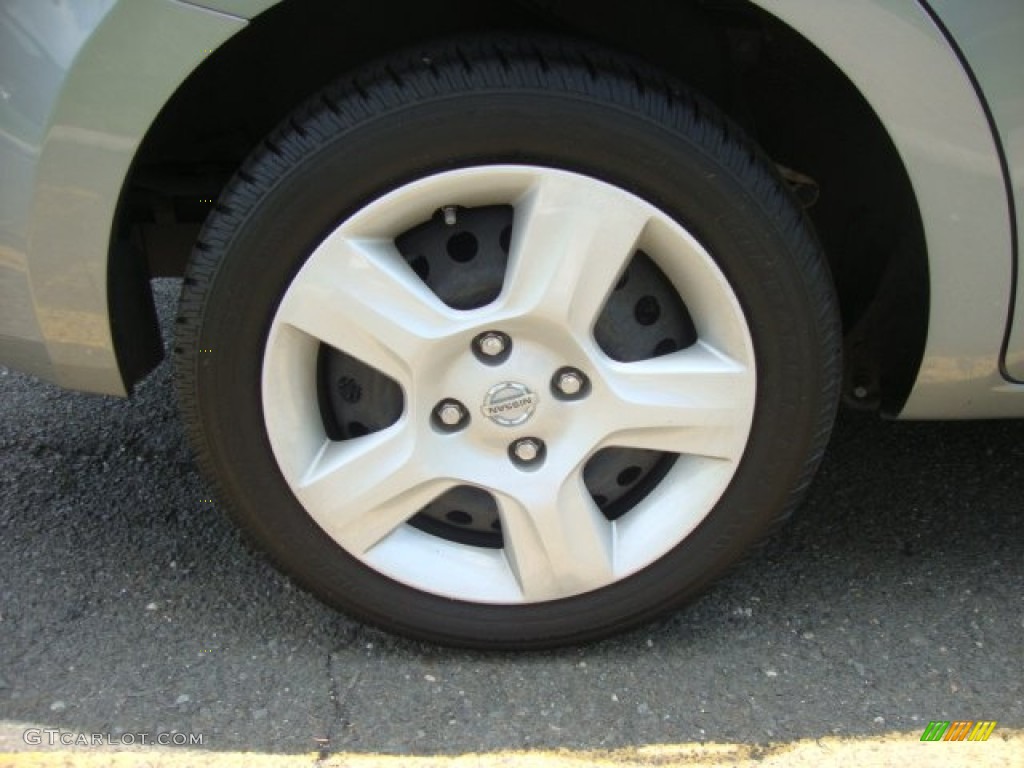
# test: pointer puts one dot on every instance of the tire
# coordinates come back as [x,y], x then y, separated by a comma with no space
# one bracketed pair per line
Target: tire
[507,344]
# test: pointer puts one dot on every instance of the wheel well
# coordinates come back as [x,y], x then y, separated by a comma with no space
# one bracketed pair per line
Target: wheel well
[781,89]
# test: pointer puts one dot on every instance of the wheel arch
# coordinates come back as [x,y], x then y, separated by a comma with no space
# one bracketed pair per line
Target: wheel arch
[883,184]
[84,86]
[914,80]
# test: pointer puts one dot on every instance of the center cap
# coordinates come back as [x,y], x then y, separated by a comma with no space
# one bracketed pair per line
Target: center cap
[509,403]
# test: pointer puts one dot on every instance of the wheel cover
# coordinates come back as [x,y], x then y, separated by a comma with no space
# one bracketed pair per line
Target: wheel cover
[572,239]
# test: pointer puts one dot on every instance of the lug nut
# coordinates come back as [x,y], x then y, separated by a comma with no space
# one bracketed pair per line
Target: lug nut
[570,383]
[450,413]
[492,344]
[527,450]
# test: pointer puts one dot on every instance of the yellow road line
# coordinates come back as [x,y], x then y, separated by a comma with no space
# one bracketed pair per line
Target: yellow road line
[1005,749]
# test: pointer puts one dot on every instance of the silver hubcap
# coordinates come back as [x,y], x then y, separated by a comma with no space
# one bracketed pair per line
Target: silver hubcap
[572,239]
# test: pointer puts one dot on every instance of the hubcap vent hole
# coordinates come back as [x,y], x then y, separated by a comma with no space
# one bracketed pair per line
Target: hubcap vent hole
[463,514]
[355,399]
[463,264]
[620,478]
[643,314]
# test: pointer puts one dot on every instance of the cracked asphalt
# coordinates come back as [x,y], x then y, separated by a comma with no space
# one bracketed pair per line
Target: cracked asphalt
[129,604]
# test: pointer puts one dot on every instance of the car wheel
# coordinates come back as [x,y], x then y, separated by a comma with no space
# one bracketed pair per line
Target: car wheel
[507,344]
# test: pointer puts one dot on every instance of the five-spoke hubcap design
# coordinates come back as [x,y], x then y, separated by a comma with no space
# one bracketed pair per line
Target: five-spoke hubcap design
[510,399]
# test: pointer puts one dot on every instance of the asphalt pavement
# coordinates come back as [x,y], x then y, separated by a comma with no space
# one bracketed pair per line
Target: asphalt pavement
[129,604]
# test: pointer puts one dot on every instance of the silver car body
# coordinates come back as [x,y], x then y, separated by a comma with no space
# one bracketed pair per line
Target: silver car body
[80,87]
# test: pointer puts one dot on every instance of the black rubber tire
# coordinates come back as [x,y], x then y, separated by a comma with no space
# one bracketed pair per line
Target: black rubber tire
[543,102]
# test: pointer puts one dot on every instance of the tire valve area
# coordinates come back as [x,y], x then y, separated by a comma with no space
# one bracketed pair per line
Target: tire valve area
[464,261]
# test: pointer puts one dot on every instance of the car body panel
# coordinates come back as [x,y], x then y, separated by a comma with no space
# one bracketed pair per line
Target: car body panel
[244,9]
[990,36]
[906,69]
[72,119]
[54,241]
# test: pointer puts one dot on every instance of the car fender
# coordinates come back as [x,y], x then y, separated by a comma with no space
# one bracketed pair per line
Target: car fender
[904,66]
[75,119]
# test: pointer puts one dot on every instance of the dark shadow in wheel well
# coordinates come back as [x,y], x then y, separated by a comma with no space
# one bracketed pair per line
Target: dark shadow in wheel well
[781,89]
